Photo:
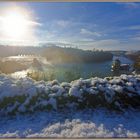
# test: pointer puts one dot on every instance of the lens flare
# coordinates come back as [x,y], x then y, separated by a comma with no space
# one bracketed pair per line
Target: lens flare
[15,25]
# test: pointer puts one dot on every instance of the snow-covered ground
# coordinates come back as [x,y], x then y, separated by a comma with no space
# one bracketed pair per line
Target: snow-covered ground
[23,105]
[26,95]
[85,123]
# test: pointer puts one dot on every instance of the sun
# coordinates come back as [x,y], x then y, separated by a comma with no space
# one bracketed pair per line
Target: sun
[15,25]
[18,26]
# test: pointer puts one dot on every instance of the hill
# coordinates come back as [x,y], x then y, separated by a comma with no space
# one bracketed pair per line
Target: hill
[57,54]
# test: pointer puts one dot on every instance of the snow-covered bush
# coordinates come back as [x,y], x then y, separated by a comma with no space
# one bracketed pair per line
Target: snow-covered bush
[26,95]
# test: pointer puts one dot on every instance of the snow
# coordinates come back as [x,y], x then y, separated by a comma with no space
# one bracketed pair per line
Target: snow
[117,88]
[22,99]
[30,94]
[22,108]
[72,124]
[52,102]
[74,91]
[65,84]
[92,91]
[11,108]
[58,89]
[109,94]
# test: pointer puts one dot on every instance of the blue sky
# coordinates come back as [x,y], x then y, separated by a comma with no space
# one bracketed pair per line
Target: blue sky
[86,25]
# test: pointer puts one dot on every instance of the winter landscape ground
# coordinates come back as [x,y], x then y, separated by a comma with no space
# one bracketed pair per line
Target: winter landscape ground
[53,109]
[76,124]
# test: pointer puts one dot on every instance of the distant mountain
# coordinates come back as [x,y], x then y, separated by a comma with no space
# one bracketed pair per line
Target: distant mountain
[57,54]
[62,55]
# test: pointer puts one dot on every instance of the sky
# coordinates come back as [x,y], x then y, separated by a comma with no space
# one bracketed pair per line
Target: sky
[87,25]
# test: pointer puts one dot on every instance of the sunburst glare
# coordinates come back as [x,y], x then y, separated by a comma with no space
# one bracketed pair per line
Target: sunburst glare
[17,25]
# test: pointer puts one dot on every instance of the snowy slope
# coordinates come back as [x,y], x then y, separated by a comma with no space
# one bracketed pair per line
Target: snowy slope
[85,123]
[51,109]
[26,95]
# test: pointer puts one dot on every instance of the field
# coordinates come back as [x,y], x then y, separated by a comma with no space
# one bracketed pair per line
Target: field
[94,107]
[88,123]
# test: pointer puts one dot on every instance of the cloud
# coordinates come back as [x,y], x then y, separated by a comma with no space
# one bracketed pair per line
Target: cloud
[72,23]
[111,44]
[132,5]
[84,40]
[129,4]
[135,27]
[90,33]
[100,44]
[63,23]
[107,42]
[136,38]
[34,23]
[127,30]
